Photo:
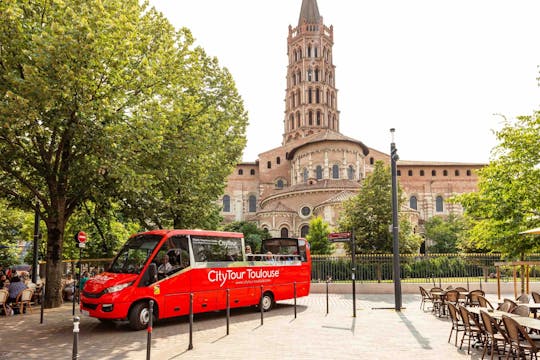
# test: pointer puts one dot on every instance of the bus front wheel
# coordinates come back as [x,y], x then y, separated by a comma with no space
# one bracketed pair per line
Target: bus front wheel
[267,301]
[139,316]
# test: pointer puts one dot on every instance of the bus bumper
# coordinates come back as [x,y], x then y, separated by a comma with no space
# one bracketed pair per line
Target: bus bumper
[104,310]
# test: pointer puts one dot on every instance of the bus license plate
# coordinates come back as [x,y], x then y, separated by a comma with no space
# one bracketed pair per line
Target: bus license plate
[85,312]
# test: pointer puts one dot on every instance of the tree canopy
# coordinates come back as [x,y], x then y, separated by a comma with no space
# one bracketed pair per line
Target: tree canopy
[508,197]
[445,233]
[318,237]
[106,100]
[369,214]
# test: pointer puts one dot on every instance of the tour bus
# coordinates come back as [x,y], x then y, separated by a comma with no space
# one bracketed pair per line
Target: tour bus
[168,265]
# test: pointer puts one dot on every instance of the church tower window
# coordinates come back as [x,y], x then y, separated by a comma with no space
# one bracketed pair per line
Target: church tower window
[413,203]
[318,172]
[305,174]
[350,172]
[439,204]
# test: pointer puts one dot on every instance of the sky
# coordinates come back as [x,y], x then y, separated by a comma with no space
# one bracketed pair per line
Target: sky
[443,73]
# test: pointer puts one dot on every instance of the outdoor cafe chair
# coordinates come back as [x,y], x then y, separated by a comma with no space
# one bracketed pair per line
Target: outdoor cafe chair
[507,306]
[483,302]
[3,298]
[520,341]
[494,335]
[24,298]
[472,297]
[462,297]
[457,322]
[472,328]
[521,310]
[426,298]
[535,296]
[437,300]
[450,297]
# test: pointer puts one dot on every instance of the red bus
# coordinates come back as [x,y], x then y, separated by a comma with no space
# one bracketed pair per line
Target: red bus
[168,265]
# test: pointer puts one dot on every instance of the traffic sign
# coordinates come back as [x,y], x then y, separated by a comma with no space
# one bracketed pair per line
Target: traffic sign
[81,238]
[339,237]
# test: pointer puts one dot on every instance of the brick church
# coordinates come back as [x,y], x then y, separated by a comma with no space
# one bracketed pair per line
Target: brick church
[317,167]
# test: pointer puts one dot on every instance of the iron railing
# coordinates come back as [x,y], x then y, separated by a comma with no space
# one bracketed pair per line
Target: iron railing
[414,268]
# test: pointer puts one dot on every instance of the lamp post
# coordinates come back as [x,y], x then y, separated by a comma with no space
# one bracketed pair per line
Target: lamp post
[395,223]
[35,264]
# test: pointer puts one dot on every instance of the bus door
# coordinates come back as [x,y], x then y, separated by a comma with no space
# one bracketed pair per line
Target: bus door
[174,282]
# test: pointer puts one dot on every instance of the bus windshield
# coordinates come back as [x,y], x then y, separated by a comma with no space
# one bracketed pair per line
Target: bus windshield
[133,255]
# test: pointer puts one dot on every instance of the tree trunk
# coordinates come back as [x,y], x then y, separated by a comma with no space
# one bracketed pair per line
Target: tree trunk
[53,269]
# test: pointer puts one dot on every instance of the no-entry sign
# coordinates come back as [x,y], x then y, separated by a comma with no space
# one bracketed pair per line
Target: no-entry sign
[80,238]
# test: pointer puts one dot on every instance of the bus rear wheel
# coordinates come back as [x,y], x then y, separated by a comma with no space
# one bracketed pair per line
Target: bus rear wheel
[267,301]
[139,316]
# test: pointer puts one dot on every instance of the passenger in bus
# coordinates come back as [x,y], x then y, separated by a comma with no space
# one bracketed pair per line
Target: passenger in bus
[249,254]
[165,266]
[270,257]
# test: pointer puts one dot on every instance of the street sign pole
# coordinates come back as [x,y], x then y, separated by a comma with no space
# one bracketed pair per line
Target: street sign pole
[353,272]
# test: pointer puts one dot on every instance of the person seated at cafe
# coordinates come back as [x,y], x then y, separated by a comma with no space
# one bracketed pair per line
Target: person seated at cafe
[3,279]
[28,282]
[15,287]
[165,266]
[68,288]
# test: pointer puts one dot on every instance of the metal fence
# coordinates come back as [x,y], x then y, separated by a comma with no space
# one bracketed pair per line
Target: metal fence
[414,268]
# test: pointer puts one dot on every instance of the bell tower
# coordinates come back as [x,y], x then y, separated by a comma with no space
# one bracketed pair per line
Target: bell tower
[311,95]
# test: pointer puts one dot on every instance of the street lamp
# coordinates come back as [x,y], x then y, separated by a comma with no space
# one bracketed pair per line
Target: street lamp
[395,223]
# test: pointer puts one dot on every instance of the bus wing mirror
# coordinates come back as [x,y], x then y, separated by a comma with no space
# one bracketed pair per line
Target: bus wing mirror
[153,273]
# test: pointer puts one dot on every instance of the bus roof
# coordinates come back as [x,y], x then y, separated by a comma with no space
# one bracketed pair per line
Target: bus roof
[199,232]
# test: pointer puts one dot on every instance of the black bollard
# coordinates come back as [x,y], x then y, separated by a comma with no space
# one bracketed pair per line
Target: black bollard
[327,303]
[190,346]
[261,307]
[295,299]
[42,300]
[149,329]
[228,309]
[75,353]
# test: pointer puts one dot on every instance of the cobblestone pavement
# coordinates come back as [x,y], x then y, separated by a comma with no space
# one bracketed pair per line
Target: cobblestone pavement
[376,333]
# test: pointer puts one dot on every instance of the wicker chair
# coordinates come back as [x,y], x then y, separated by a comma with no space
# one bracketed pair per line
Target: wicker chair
[483,302]
[507,306]
[521,343]
[24,298]
[437,300]
[523,298]
[521,310]
[472,328]
[535,296]
[462,297]
[472,297]
[494,335]
[457,322]
[3,298]
[426,298]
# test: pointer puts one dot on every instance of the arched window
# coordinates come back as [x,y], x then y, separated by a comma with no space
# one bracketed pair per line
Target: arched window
[304,230]
[317,96]
[279,184]
[318,172]
[305,174]
[278,160]
[284,232]
[309,51]
[252,203]
[409,173]
[350,172]
[318,117]
[316,51]
[310,95]
[421,172]
[456,172]
[439,204]
[252,172]
[371,161]
[445,172]
[310,117]
[269,164]
[316,74]
[226,203]
[294,79]
[335,172]
[413,203]
[240,172]
[292,121]
[433,172]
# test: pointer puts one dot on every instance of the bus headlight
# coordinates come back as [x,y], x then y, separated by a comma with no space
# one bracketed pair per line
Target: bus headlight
[117,288]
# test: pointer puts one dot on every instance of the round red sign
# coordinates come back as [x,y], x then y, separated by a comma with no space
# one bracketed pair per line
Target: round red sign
[81,236]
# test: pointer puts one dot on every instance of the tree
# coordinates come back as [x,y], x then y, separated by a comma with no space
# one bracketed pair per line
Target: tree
[106,99]
[253,236]
[445,233]
[370,215]
[318,237]
[508,197]
[15,226]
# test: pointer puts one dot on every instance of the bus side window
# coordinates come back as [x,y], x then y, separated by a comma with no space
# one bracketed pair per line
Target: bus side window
[178,252]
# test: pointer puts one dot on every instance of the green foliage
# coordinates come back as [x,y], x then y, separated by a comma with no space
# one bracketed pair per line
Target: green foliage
[16,227]
[318,237]
[104,100]
[444,232]
[370,215]
[253,236]
[508,197]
